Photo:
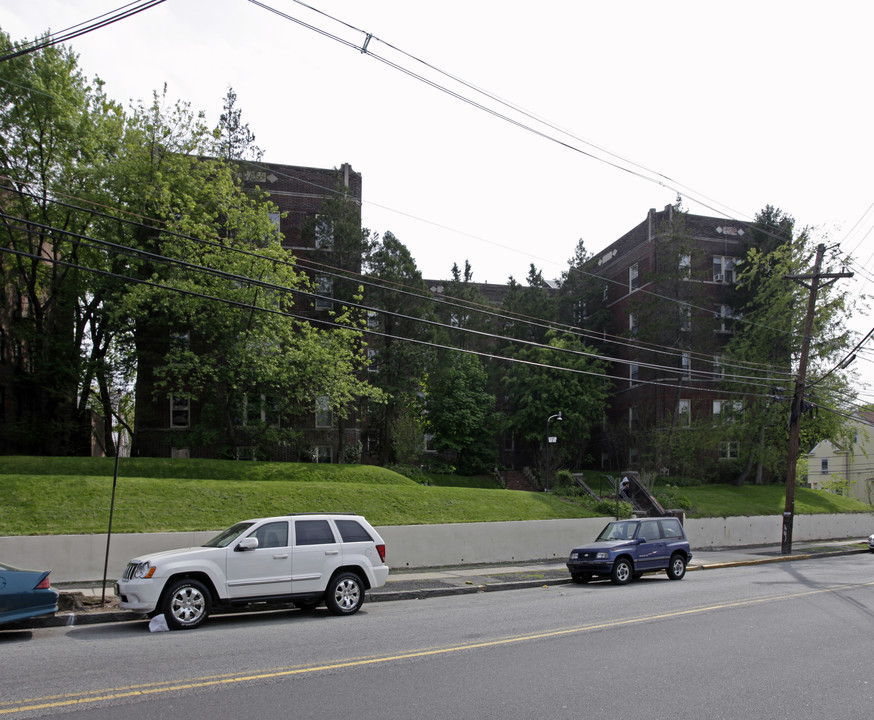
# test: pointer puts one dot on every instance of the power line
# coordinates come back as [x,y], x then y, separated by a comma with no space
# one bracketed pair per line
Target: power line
[90,25]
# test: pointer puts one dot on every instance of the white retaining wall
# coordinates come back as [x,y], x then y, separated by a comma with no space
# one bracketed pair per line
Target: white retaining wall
[74,558]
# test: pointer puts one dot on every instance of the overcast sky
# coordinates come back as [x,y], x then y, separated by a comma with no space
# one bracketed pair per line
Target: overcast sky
[612,108]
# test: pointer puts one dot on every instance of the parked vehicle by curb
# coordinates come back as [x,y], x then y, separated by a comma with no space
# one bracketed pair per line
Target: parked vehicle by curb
[626,549]
[871,543]
[25,594]
[303,558]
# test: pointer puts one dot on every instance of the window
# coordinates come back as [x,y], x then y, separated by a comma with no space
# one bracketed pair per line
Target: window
[606,293]
[685,266]
[632,417]
[723,269]
[274,218]
[180,411]
[372,319]
[684,412]
[272,535]
[823,466]
[632,278]
[686,364]
[725,318]
[324,292]
[428,443]
[719,366]
[324,233]
[313,532]
[324,414]
[632,324]
[372,365]
[685,311]
[351,531]
[671,528]
[634,373]
[324,454]
[729,450]
[649,530]
[727,410]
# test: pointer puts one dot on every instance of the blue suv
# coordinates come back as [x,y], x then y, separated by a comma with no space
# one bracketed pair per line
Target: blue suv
[626,549]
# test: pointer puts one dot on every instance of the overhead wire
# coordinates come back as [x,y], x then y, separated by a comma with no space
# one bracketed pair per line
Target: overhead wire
[100,21]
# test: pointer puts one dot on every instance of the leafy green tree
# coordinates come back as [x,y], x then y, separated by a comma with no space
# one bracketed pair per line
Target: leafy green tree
[766,342]
[397,361]
[529,307]
[60,140]
[212,317]
[461,412]
[566,376]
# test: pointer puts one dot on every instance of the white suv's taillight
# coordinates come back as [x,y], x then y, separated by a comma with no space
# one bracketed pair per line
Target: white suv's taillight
[381,550]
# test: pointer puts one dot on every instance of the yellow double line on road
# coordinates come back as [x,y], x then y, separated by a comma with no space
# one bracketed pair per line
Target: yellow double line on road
[145,690]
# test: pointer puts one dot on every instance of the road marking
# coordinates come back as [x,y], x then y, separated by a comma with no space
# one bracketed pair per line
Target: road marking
[145,690]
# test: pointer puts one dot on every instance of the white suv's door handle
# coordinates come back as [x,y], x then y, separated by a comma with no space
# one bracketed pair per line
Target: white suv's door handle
[284,556]
[332,552]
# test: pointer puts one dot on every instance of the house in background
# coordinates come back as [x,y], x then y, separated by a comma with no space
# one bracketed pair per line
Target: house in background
[852,467]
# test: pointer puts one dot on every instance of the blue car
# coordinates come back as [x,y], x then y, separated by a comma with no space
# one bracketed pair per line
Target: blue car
[626,549]
[25,594]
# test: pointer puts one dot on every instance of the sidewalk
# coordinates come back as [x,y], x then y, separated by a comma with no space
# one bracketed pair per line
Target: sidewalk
[80,603]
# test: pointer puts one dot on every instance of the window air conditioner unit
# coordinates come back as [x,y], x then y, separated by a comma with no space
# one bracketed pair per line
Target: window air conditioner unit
[718,277]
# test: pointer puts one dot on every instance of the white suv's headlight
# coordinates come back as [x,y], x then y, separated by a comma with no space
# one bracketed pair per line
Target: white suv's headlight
[144,570]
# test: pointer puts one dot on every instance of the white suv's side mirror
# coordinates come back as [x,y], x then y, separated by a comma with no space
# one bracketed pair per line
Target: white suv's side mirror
[247,543]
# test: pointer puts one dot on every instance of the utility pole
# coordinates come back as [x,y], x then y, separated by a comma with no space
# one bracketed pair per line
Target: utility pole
[798,397]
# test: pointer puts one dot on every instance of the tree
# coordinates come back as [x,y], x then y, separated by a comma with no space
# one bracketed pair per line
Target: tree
[214,318]
[566,376]
[397,361]
[234,139]
[768,341]
[60,140]
[461,412]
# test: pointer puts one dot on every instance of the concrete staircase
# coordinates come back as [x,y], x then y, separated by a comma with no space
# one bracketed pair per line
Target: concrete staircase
[519,480]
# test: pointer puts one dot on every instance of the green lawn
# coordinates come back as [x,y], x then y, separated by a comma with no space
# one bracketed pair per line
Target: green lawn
[46,496]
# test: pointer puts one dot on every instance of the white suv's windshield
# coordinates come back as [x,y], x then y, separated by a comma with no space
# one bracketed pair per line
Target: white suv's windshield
[618,531]
[228,536]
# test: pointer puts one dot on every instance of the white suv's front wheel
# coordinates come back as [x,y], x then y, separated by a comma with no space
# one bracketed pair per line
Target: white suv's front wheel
[185,604]
[344,594]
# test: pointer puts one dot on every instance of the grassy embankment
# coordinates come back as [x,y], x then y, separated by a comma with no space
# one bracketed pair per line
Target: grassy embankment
[44,496]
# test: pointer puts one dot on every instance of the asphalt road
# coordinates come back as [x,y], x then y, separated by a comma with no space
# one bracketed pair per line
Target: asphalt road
[786,640]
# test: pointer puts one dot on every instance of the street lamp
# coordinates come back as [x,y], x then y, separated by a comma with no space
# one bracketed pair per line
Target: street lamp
[557,416]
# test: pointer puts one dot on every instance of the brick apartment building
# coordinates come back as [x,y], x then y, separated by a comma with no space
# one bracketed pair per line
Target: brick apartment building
[662,292]
[301,195]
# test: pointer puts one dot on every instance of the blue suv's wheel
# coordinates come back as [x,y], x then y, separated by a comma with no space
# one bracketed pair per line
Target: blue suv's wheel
[622,571]
[677,567]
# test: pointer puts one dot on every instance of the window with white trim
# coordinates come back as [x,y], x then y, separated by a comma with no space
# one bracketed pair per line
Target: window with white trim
[180,411]
[324,233]
[634,373]
[725,318]
[632,324]
[729,450]
[685,267]
[727,410]
[823,466]
[633,278]
[686,364]
[685,311]
[684,412]
[324,290]
[324,414]
[723,269]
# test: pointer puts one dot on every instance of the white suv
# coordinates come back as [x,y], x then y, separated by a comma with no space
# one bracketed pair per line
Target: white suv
[304,558]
